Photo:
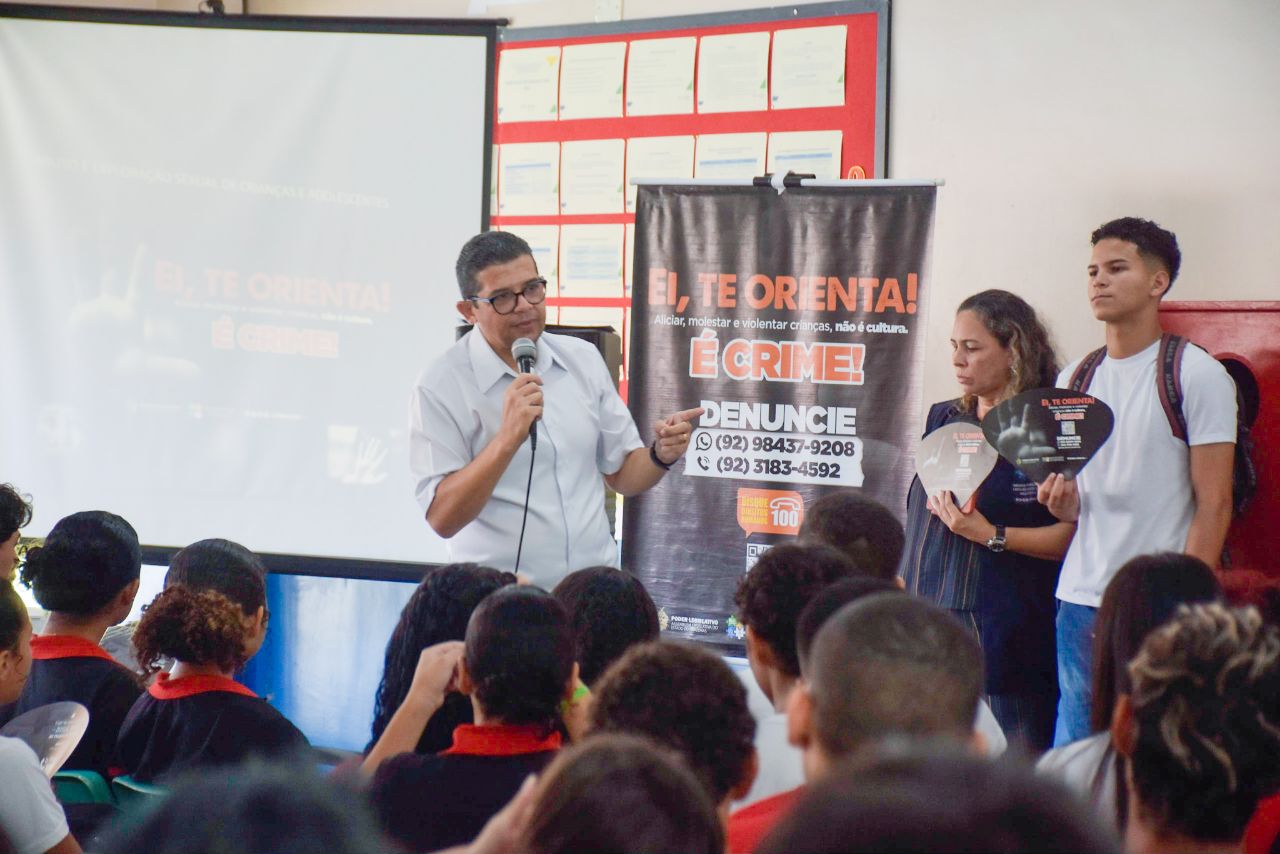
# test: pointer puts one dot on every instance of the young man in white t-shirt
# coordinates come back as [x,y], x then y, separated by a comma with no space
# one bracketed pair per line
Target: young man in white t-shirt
[1146,490]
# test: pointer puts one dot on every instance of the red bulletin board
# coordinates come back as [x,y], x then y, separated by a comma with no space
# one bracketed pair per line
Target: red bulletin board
[861,119]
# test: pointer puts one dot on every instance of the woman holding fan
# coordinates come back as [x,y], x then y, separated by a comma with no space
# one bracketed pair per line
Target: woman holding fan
[994,562]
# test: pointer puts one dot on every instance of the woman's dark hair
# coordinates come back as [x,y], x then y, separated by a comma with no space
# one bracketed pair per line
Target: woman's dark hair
[622,794]
[610,611]
[13,615]
[1016,326]
[251,809]
[438,611]
[1205,704]
[519,655]
[224,566]
[1144,594]
[86,560]
[15,511]
[192,626]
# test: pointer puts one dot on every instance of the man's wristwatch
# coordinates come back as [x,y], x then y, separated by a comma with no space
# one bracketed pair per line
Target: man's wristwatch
[997,542]
[653,455]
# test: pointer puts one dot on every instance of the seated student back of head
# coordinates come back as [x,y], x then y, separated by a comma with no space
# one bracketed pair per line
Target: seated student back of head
[86,576]
[211,618]
[517,666]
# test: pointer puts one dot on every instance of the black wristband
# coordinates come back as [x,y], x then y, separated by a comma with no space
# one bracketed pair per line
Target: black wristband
[653,455]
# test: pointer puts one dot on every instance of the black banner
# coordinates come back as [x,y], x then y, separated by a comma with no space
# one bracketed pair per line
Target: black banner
[796,320]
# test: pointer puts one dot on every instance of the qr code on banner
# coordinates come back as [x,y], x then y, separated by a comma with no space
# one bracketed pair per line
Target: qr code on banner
[1068,428]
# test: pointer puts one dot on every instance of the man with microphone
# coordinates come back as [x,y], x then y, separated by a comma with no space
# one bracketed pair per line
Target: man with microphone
[477,412]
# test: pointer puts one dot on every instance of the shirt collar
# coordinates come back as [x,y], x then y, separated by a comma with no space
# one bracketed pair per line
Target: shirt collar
[501,740]
[165,688]
[46,647]
[489,368]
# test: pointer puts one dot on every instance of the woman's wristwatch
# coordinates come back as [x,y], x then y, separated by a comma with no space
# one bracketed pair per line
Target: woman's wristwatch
[997,542]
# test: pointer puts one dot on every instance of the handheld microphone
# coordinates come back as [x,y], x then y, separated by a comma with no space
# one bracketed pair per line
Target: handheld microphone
[525,352]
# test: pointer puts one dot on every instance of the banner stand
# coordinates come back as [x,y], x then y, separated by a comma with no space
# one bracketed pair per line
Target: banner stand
[794,314]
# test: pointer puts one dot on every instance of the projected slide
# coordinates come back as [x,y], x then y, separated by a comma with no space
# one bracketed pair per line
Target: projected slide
[225,255]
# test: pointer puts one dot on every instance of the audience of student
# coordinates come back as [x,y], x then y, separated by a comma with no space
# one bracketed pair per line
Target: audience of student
[438,611]
[1142,596]
[516,665]
[86,575]
[15,513]
[1200,729]
[31,819]
[610,611]
[621,794]
[252,809]
[885,665]
[865,530]
[197,715]
[936,800]
[688,699]
[769,600]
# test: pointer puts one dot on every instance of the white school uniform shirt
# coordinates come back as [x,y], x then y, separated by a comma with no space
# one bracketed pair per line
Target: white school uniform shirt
[30,815]
[1135,494]
[585,432]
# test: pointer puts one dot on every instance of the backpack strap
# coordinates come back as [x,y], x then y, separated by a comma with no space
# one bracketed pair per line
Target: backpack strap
[1169,382]
[1084,371]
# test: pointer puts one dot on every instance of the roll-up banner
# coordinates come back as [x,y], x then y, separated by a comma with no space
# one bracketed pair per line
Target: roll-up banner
[795,319]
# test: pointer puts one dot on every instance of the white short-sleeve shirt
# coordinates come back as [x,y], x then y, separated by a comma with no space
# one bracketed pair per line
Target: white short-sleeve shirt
[1135,494]
[585,432]
[30,815]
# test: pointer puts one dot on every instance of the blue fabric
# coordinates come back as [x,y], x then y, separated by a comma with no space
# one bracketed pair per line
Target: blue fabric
[1075,644]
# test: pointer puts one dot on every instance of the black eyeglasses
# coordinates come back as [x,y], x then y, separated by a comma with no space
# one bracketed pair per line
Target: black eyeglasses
[534,292]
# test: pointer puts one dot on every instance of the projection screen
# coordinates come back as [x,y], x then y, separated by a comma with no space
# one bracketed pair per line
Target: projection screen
[226,252]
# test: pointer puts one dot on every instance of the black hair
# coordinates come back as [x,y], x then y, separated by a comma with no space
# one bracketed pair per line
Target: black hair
[1205,702]
[86,560]
[683,697]
[861,527]
[519,655]
[224,566]
[1015,325]
[625,795]
[610,611]
[1153,242]
[892,665]
[1144,594]
[250,809]
[771,596]
[15,511]
[487,249]
[934,798]
[13,616]
[437,611]
[830,599]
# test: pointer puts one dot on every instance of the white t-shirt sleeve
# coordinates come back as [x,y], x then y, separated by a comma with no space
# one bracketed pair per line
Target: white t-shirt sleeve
[1208,399]
[30,815]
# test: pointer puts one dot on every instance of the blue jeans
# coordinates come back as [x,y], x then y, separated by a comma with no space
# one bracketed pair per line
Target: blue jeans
[1075,686]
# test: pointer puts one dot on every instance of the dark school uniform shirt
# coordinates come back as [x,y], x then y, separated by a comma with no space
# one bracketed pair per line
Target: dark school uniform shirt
[202,721]
[70,668]
[431,802]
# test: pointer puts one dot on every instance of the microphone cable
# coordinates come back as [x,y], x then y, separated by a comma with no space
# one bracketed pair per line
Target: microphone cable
[524,519]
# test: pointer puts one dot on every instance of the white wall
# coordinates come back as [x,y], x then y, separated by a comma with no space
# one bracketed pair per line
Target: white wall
[1045,118]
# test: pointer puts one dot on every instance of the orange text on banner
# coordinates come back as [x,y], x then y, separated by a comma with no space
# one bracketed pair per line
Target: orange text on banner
[770,511]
